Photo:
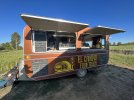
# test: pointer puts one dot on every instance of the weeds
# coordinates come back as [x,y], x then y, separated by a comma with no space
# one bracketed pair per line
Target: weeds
[121,59]
[8,59]
[122,47]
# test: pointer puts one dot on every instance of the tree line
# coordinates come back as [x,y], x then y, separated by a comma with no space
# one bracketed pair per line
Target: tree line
[14,44]
[120,43]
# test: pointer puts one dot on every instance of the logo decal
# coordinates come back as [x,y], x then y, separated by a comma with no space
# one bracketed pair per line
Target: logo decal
[63,66]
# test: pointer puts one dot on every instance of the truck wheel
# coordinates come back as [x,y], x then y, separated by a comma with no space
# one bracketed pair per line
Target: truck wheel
[81,73]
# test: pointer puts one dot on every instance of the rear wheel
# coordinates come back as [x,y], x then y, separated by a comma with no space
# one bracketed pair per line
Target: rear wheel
[81,73]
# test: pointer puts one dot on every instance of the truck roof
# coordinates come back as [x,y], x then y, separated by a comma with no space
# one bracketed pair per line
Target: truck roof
[52,24]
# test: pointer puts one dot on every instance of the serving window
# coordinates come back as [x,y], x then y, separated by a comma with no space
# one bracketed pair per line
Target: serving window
[61,41]
[43,41]
[93,42]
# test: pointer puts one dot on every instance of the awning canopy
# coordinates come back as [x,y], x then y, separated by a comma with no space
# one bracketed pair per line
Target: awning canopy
[64,34]
[101,30]
[52,24]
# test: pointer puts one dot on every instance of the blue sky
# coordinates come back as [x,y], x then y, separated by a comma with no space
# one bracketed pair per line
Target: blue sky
[113,13]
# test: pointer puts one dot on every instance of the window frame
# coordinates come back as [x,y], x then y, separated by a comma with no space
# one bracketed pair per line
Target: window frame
[45,32]
[33,41]
[101,40]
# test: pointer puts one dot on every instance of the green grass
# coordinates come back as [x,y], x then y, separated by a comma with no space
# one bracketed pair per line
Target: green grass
[122,60]
[8,59]
[122,47]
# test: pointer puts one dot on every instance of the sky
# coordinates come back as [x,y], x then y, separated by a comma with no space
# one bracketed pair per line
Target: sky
[111,13]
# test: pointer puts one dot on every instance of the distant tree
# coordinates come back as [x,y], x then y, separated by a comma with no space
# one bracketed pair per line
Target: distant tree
[1,47]
[129,43]
[110,43]
[6,46]
[119,43]
[114,43]
[20,48]
[15,40]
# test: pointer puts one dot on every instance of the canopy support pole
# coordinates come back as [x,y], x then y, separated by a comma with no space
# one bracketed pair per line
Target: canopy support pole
[78,39]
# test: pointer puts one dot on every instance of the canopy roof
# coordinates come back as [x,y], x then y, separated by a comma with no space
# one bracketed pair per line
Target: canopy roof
[102,30]
[52,24]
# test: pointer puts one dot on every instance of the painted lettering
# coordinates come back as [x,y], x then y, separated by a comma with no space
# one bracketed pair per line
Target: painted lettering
[79,59]
[87,61]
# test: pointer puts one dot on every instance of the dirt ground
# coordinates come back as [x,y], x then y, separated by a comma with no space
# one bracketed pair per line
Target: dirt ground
[108,83]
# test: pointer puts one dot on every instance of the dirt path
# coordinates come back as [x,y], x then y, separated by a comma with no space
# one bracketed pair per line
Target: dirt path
[109,83]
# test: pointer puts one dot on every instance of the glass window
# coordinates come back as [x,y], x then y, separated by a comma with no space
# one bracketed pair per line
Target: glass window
[93,42]
[39,41]
[51,40]
[67,43]
[60,40]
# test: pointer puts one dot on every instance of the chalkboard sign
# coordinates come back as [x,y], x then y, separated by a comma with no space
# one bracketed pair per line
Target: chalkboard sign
[40,67]
[40,41]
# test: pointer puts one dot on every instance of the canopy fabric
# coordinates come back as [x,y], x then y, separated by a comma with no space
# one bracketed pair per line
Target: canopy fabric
[64,34]
[101,30]
[51,24]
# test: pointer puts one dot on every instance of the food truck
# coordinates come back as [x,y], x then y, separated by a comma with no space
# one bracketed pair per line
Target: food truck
[56,47]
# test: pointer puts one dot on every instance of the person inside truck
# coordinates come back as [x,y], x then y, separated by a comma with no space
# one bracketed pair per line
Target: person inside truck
[51,42]
[96,44]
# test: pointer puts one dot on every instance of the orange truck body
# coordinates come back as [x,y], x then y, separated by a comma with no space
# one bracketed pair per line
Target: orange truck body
[46,65]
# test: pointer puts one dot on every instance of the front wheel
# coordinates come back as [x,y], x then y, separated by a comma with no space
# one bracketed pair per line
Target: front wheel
[81,73]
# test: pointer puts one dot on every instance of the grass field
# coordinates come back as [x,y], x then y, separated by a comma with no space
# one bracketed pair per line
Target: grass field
[122,47]
[122,60]
[8,59]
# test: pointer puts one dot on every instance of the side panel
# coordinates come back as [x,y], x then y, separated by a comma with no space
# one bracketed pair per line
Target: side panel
[103,59]
[27,40]
[46,65]
[39,67]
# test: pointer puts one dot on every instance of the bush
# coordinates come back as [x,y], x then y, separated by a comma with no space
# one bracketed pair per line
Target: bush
[20,48]
[6,46]
[8,59]
[1,47]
